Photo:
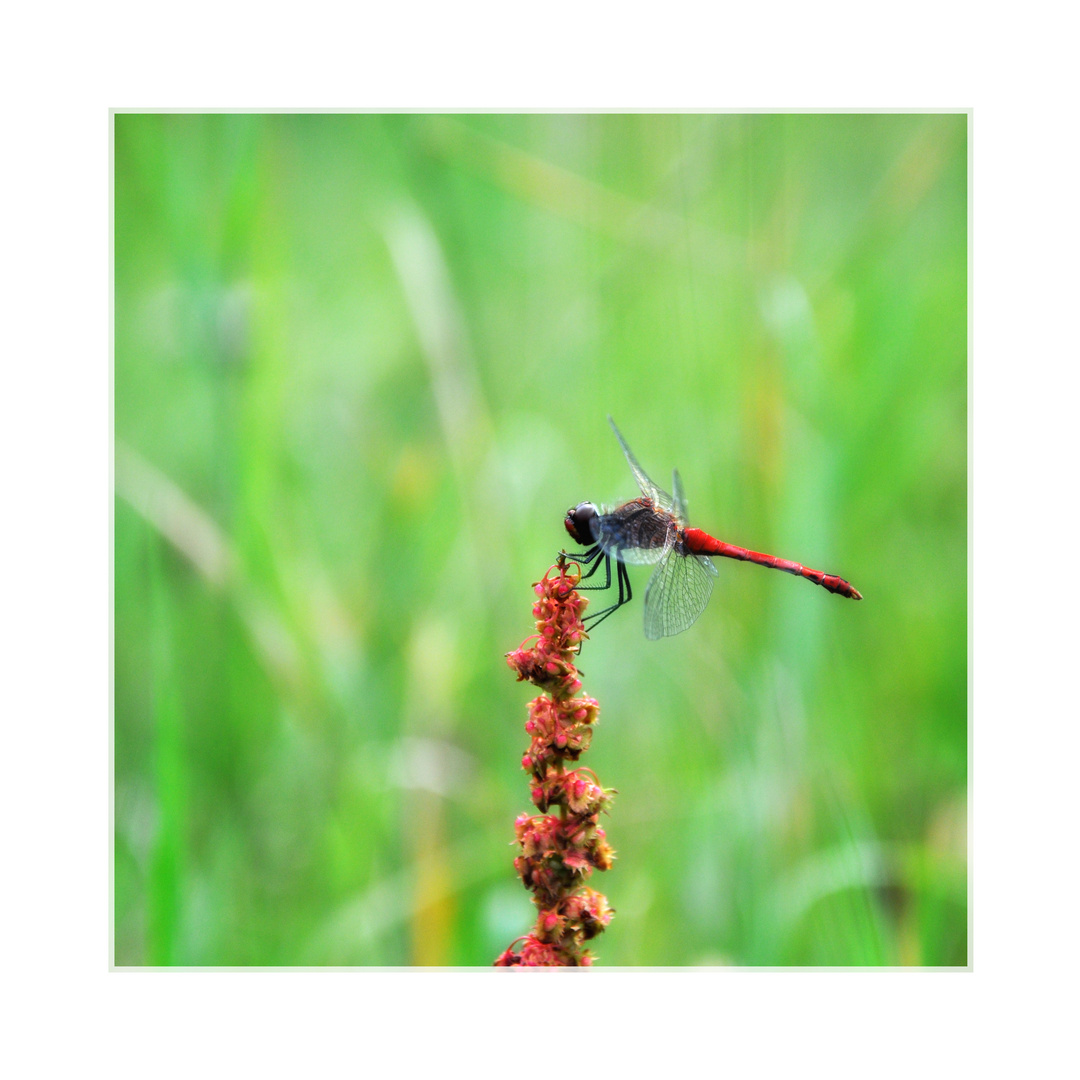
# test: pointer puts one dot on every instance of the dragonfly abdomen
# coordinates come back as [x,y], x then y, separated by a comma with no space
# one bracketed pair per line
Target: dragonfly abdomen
[698,542]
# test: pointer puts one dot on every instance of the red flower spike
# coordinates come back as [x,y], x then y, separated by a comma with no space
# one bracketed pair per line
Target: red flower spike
[559,851]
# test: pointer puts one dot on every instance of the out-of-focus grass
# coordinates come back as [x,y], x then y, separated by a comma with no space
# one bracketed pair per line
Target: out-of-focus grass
[362,368]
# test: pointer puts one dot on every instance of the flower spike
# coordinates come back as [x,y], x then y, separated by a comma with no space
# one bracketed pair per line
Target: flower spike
[559,852]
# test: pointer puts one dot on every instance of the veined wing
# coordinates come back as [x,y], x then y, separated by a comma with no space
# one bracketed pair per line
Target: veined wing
[636,533]
[677,593]
[680,497]
[648,488]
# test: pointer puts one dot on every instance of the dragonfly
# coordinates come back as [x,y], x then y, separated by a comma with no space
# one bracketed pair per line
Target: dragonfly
[654,530]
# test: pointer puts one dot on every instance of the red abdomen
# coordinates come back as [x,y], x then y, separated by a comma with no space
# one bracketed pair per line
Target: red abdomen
[697,542]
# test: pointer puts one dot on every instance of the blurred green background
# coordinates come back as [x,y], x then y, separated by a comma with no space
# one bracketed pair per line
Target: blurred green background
[362,367]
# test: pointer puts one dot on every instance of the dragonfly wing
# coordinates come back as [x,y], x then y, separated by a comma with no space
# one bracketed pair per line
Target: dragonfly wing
[648,488]
[680,497]
[677,593]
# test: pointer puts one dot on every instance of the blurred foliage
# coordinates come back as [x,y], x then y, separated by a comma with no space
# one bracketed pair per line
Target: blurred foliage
[362,367]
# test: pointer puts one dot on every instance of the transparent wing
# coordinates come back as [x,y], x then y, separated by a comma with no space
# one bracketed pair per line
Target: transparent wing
[648,488]
[677,593]
[680,497]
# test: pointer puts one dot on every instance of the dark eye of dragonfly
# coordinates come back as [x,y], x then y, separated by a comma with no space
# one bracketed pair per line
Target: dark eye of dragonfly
[579,523]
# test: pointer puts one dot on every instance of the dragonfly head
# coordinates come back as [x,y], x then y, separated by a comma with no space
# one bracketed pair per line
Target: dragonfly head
[579,523]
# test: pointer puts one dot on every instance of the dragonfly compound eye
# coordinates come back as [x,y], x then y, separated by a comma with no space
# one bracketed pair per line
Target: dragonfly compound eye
[579,523]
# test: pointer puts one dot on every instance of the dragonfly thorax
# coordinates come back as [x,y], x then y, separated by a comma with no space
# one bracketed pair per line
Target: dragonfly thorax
[581,522]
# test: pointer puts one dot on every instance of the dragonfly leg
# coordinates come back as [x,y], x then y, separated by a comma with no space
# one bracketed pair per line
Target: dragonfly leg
[587,557]
[605,562]
[597,617]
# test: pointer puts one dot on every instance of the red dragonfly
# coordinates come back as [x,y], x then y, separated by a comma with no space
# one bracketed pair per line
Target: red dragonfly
[654,530]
